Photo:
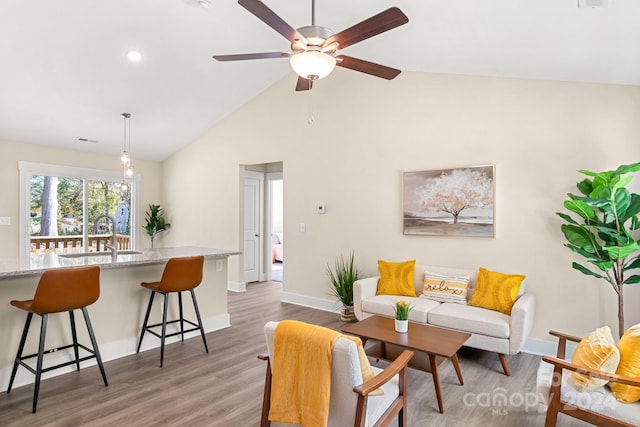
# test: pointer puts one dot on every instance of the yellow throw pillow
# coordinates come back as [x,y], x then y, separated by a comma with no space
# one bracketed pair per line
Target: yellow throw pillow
[496,291]
[396,278]
[629,366]
[445,288]
[596,351]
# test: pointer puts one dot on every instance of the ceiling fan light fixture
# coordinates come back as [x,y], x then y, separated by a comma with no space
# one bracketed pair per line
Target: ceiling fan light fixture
[312,65]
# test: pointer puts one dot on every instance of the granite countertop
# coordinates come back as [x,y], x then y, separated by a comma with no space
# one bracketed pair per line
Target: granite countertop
[36,264]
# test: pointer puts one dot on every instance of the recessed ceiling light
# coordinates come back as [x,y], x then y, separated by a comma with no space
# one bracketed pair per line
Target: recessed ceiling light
[134,56]
[204,4]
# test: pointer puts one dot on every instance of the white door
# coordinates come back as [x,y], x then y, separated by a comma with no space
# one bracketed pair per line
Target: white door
[253,190]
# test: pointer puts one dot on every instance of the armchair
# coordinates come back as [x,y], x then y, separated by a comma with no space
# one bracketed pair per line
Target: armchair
[350,399]
[597,407]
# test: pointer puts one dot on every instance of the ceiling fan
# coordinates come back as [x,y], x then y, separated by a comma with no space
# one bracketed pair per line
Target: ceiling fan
[314,49]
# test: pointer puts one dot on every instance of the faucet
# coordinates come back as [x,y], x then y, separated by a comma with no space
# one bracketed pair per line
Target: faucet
[113,247]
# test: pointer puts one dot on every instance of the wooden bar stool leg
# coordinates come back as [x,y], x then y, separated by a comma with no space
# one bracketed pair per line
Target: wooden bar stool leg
[181,317]
[96,351]
[195,305]
[16,363]
[146,319]
[164,326]
[43,334]
[74,336]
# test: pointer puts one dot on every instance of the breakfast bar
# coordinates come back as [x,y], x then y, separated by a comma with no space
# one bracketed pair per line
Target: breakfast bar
[118,314]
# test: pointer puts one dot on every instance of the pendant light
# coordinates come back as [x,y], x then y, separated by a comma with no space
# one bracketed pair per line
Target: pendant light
[125,158]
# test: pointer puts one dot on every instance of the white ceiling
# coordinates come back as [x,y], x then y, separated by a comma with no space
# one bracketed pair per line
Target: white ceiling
[63,71]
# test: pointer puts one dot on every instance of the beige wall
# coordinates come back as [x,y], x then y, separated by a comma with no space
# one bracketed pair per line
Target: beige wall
[13,152]
[367,131]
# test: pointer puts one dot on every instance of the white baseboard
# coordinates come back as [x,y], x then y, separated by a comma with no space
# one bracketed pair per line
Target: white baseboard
[546,348]
[311,302]
[237,286]
[108,351]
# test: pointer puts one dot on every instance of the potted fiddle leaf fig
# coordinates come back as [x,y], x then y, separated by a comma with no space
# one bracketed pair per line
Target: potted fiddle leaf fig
[155,221]
[342,275]
[605,219]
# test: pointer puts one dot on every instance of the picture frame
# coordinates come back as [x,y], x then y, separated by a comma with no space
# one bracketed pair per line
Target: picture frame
[449,202]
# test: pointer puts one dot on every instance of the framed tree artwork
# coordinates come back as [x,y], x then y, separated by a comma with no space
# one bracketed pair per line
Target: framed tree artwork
[449,202]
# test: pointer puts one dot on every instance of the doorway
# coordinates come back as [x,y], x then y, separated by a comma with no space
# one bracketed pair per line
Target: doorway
[263,222]
[275,218]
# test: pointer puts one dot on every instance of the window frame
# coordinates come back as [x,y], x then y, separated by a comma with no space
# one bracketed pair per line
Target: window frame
[27,169]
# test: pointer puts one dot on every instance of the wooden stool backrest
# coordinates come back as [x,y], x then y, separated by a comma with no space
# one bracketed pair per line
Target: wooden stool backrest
[182,274]
[67,289]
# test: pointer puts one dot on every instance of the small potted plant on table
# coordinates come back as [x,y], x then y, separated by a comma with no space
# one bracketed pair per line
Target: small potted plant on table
[402,309]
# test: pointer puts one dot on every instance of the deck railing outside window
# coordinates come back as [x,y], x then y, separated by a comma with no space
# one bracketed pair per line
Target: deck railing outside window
[72,244]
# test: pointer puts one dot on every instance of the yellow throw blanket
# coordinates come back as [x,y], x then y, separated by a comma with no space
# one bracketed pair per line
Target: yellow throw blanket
[301,383]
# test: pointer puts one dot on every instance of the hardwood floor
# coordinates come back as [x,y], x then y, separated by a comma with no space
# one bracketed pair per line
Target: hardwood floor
[224,387]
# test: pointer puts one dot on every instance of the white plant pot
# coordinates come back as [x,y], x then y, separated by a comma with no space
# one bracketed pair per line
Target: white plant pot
[402,326]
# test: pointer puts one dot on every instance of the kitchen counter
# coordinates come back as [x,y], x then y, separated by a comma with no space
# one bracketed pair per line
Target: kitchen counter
[36,264]
[118,313]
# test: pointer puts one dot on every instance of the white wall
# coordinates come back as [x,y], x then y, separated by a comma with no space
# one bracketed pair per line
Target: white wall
[368,131]
[13,152]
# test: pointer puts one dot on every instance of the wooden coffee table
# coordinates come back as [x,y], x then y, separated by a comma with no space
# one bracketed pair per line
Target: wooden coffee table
[437,344]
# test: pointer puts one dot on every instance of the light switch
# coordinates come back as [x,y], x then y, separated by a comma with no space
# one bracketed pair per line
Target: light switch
[5,220]
[219,265]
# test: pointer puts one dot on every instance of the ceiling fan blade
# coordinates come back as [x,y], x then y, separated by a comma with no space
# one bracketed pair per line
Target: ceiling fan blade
[269,17]
[304,84]
[245,56]
[383,21]
[367,67]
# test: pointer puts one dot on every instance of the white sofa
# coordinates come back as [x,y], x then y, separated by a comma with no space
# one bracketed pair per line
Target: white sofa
[490,330]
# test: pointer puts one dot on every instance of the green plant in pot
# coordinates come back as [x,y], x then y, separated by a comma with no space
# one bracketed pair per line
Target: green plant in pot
[155,221]
[606,219]
[342,274]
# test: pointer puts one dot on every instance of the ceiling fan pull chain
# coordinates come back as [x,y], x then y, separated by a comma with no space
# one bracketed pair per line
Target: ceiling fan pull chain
[311,118]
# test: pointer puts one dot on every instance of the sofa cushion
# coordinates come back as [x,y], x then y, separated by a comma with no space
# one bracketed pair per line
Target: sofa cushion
[445,271]
[383,305]
[629,366]
[443,288]
[474,320]
[496,291]
[396,278]
[597,350]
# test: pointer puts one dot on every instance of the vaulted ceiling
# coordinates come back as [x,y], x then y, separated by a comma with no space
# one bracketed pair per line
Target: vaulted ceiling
[64,72]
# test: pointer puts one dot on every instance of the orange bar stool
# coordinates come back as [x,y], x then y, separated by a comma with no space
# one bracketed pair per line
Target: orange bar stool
[179,275]
[61,290]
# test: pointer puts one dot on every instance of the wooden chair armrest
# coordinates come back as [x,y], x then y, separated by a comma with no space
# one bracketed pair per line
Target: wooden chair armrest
[565,336]
[591,372]
[263,356]
[400,363]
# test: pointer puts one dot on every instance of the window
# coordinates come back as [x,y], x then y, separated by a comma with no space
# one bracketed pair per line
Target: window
[59,207]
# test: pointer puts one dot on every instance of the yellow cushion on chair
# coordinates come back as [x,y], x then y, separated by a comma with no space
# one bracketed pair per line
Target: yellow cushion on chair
[629,366]
[496,291]
[396,278]
[598,351]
